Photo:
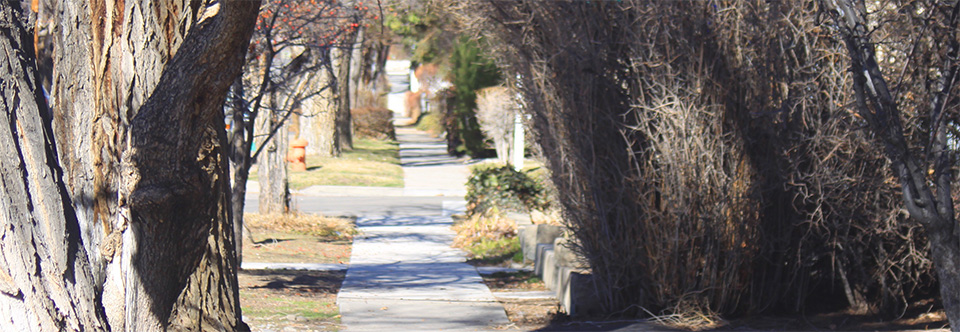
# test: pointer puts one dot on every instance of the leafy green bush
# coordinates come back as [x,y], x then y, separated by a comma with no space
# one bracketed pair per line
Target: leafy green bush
[496,189]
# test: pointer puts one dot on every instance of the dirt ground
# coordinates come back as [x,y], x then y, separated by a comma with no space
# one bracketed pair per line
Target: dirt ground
[290,300]
[291,247]
[283,300]
[524,314]
[286,300]
[546,315]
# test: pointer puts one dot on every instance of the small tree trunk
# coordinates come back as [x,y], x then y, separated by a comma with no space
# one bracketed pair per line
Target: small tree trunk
[344,126]
[929,201]
[356,67]
[274,193]
[318,123]
[240,139]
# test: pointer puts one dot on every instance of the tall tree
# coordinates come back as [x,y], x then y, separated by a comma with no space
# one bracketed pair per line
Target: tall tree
[143,219]
[927,198]
[342,58]
[44,278]
[470,71]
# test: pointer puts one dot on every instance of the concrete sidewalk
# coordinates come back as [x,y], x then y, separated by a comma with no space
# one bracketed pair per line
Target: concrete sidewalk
[427,169]
[403,273]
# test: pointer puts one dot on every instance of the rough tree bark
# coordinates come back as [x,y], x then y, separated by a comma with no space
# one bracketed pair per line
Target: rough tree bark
[178,185]
[272,168]
[341,59]
[240,139]
[927,199]
[318,123]
[106,70]
[356,66]
[142,167]
[45,279]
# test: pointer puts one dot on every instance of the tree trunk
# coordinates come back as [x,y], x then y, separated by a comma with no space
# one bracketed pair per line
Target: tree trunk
[105,72]
[341,59]
[45,279]
[147,229]
[178,202]
[356,67]
[932,205]
[318,123]
[240,138]
[272,167]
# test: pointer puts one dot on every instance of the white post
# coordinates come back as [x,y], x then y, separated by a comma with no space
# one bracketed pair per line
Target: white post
[517,142]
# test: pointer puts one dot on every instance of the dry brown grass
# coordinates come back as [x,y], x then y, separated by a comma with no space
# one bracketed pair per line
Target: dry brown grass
[310,224]
[478,227]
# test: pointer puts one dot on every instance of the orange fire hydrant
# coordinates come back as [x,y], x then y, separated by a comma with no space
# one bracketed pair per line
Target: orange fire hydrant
[298,155]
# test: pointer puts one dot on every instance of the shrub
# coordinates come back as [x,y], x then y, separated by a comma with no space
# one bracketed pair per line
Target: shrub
[470,71]
[488,238]
[705,166]
[496,109]
[373,122]
[496,189]
[430,123]
[367,97]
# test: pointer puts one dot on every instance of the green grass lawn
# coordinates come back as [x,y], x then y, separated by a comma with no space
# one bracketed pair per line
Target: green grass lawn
[371,163]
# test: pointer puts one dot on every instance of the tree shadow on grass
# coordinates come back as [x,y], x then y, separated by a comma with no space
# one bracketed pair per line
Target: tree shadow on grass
[299,281]
[271,241]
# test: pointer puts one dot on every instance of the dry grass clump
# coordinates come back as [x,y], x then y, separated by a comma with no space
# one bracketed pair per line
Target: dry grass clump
[478,227]
[690,317]
[487,237]
[304,223]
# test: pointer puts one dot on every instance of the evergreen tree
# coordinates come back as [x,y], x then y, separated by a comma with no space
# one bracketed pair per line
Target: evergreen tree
[470,71]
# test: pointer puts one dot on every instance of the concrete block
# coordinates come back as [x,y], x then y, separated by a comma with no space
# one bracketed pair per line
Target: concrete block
[580,295]
[528,238]
[538,263]
[548,233]
[563,278]
[531,235]
[549,270]
[567,256]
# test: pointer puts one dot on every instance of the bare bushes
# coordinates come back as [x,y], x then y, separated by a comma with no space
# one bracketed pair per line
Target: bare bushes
[705,156]
[496,109]
[700,223]
[373,122]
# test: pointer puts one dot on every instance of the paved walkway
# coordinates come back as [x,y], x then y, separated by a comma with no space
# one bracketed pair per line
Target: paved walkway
[427,169]
[403,274]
